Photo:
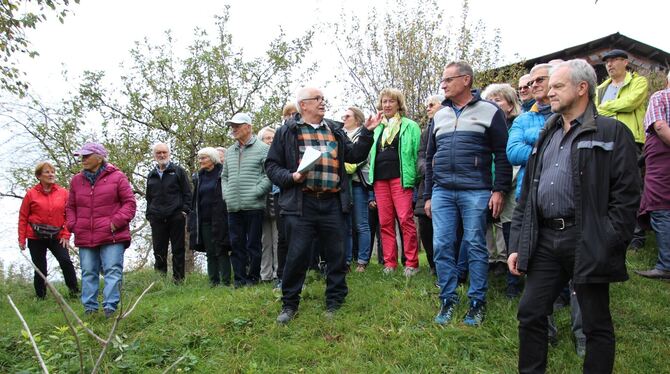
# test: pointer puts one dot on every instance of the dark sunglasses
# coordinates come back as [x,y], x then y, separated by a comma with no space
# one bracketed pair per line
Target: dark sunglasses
[538,80]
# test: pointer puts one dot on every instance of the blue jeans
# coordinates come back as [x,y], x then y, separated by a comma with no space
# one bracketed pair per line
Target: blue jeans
[246,229]
[360,223]
[660,223]
[472,206]
[109,257]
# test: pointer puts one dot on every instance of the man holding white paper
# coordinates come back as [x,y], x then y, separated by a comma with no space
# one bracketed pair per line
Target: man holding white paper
[313,202]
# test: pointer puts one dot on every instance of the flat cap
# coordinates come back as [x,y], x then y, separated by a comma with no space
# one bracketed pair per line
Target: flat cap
[614,54]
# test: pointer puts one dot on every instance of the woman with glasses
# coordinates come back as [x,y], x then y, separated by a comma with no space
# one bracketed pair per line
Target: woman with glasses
[525,93]
[497,235]
[393,160]
[99,210]
[361,192]
[42,224]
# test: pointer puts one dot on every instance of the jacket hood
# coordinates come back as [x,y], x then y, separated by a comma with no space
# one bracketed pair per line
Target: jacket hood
[476,96]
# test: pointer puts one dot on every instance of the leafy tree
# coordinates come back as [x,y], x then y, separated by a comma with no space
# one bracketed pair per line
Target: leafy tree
[161,97]
[408,50]
[13,41]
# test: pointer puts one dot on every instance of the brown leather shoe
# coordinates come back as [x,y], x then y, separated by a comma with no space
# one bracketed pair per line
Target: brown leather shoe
[655,274]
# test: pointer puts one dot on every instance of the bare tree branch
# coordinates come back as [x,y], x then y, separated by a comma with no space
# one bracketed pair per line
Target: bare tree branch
[30,335]
[174,364]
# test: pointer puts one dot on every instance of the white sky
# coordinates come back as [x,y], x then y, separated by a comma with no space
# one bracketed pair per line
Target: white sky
[99,34]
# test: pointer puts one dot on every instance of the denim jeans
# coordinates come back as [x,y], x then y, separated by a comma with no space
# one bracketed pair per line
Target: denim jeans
[472,206]
[360,223]
[321,220]
[246,230]
[660,223]
[109,259]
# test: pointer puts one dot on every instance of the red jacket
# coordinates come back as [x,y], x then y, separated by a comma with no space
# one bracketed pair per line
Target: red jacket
[91,209]
[45,208]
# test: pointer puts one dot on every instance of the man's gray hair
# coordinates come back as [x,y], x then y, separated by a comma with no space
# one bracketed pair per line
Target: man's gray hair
[210,152]
[153,147]
[580,71]
[463,69]
[541,66]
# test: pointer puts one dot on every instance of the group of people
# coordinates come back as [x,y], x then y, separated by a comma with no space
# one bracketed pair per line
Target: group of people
[544,179]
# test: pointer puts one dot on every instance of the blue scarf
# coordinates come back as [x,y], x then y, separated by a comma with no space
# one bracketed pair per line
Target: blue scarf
[93,176]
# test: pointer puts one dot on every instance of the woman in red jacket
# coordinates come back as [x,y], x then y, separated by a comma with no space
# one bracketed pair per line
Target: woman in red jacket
[99,210]
[41,222]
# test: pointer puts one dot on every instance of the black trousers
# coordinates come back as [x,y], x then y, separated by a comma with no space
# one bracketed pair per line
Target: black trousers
[426,234]
[282,244]
[549,270]
[38,253]
[166,231]
[321,220]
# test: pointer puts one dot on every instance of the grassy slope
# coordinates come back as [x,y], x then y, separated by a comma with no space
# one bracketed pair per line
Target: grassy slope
[385,326]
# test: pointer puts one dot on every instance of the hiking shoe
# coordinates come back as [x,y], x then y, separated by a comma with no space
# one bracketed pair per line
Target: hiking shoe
[446,312]
[388,270]
[410,271]
[475,314]
[286,315]
[109,313]
[360,268]
[277,286]
[654,274]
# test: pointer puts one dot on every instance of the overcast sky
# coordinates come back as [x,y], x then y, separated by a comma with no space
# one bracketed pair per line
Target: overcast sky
[99,34]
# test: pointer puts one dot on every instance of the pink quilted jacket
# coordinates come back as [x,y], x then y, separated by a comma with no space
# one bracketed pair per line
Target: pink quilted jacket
[91,209]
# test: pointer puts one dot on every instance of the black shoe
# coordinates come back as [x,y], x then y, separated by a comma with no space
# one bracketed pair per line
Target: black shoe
[636,245]
[476,313]
[512,291]
[286,315]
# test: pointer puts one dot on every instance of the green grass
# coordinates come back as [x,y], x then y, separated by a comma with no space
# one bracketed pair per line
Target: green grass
[386,326]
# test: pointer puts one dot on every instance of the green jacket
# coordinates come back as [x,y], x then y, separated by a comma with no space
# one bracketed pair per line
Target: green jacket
[630,104]
[408,152]
[243,180]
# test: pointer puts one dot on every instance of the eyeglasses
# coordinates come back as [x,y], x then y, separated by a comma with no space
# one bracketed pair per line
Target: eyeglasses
[319,99]
[451,79]
[430,105]
[526,87]
[345,117]
[538,80]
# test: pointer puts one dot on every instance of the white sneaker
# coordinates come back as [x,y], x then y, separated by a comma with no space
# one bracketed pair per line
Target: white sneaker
[388,270]
[410,271]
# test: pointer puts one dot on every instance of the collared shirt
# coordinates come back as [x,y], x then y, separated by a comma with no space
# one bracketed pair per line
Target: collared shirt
[555,192]
[325,176]
[160,172]
[659,108]
[245,145]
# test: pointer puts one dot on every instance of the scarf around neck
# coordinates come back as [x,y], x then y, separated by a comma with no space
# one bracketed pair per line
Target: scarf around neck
[391,129]
[93,176]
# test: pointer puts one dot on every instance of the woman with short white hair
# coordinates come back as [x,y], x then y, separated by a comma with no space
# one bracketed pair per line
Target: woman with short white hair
[208,221]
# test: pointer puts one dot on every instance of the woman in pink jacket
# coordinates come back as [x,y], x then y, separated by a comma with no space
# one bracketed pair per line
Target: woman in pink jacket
[99,210]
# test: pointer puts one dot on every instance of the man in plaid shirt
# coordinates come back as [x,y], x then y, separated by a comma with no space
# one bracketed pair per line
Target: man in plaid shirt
[655,203]
[313,203]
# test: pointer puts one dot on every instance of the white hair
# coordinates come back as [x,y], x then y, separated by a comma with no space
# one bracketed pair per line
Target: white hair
[435,99]
[153,147]
[262,131]
[210,152]
[302,94]
[540,66]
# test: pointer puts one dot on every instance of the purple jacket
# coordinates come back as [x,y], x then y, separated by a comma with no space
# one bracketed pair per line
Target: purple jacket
[91,209]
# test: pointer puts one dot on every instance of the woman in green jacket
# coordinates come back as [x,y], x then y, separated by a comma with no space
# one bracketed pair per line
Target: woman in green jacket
[393,160]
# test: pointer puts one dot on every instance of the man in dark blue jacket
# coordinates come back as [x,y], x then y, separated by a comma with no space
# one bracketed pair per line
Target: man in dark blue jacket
[574,219]
[466,135]
[168,202]
[313,201]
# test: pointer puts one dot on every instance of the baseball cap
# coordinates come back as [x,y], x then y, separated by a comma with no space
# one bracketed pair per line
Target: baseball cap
[91,148]
[239,118]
